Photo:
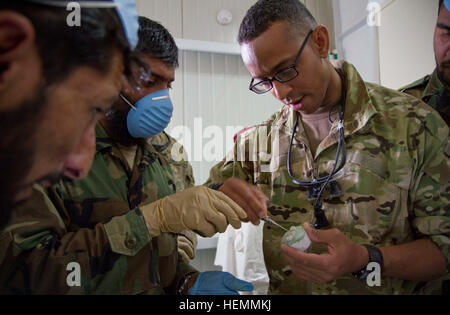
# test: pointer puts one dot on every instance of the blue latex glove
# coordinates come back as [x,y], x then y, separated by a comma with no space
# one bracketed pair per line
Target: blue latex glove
[218,283]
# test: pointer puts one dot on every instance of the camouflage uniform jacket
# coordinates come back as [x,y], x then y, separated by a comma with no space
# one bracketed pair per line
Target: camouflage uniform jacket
[97,223]
[395,182]
[432,91]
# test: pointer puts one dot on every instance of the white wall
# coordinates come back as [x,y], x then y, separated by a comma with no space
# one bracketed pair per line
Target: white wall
[322,10]
[199,19]
[406,41]
[167,12]
[214,94]
[397,52]
[356,41]
[196,19]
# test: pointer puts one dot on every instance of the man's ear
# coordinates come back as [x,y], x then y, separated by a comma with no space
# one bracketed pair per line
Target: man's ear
[321,40]
[17,41]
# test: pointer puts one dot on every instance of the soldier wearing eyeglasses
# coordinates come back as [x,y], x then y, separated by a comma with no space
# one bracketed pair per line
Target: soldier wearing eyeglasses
[389,204]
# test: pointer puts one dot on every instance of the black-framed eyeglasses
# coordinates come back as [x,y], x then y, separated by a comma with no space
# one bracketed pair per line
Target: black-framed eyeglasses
[283,76]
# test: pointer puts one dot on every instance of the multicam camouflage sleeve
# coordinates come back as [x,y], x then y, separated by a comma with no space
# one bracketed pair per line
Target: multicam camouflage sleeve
[395,183]
[430,191]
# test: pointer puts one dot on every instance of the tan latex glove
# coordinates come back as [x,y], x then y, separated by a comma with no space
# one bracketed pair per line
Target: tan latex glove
[200,209]
[187,243]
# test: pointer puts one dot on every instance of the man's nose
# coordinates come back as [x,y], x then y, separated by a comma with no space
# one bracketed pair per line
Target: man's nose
[78,163]
[280,90]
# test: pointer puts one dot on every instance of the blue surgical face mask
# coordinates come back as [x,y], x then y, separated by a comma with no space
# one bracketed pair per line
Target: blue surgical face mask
[150,115]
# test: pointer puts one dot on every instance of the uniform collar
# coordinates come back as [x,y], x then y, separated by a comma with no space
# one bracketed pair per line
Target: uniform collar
[358,107]
[104,144]
[102,140]
[434,85]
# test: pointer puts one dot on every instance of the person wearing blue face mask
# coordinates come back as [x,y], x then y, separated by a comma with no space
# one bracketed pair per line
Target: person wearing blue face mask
[150,115]
[133,169]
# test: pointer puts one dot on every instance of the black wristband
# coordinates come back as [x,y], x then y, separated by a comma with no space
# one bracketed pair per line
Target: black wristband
[184,281]
[375,256]
[215,186]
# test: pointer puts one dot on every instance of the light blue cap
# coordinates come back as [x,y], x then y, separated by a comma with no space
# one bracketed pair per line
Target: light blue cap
[128,14]
[447,4]
[126,9]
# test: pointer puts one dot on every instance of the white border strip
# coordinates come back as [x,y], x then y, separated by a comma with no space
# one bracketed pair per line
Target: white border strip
[83,4]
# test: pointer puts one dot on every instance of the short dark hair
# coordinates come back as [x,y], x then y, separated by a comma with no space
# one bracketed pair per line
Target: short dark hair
[266,12]
[156,41]
[63,48]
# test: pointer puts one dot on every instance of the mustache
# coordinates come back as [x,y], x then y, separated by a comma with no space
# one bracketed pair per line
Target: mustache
[50,179]
[442,72]
[47,180]
[116,120]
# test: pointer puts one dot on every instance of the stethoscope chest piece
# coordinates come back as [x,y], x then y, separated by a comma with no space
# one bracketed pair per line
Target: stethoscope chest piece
[316,187]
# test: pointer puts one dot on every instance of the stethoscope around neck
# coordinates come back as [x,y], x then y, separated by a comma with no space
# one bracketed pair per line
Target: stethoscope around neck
[317,186]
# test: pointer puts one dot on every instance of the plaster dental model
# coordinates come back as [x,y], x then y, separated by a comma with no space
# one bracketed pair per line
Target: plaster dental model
[296,237]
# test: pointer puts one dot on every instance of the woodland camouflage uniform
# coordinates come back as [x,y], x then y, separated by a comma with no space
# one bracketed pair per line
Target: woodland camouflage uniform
[97,223]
